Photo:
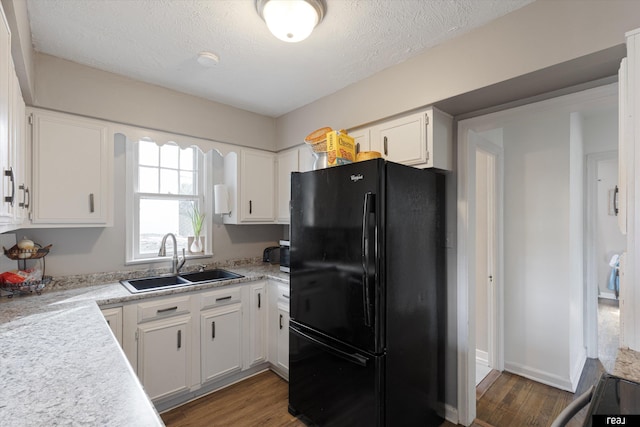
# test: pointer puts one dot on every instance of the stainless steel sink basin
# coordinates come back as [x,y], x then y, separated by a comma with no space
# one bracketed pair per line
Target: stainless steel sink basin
[166,282]
[210,275]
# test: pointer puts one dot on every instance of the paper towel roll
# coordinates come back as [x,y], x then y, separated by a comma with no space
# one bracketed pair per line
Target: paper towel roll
[221,199]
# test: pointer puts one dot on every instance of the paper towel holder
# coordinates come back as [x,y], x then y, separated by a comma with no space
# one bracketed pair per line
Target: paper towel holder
[221,198]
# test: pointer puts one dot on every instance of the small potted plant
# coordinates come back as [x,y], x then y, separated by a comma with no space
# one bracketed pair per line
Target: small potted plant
[197,221]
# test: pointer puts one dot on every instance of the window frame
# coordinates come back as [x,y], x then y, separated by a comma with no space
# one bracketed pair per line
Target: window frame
[133,198]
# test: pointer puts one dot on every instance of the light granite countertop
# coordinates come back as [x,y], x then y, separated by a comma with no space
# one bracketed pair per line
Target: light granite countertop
[60,364]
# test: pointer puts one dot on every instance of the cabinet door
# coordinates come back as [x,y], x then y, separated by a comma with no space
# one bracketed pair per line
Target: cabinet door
[257,181]
[221,345]
[401,140]
[287,163]
[283,338]
[164,355]
[71,170]
[19,147]
[361,138]
[258,324]
[6,189]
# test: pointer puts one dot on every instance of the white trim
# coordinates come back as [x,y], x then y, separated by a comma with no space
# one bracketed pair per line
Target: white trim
[482,357]
[567,384]
[607,295]
[451,414]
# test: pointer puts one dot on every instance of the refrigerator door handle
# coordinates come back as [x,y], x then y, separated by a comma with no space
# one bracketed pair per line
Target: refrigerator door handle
[368,198]
[349,357]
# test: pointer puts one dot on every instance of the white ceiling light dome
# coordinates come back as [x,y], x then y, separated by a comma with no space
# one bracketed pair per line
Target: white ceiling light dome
[291,20]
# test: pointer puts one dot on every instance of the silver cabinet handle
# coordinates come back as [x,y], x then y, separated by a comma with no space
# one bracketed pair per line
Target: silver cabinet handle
[164,310]
[27,194]
[91,203]
[23,203]
[10,199]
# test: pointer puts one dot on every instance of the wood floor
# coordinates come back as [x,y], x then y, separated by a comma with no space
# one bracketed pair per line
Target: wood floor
[504,400]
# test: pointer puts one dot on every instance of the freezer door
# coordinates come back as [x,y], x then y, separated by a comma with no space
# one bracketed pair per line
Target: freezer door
[332,384]
[334,248]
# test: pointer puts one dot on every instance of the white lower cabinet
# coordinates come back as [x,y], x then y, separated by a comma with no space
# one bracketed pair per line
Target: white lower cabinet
[279,327]
[221,343]
[164,356]
[113,316]
[257,311]
[185,345]
[283,338]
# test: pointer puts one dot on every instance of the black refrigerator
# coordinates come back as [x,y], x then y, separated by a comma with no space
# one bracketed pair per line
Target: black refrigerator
[368,296]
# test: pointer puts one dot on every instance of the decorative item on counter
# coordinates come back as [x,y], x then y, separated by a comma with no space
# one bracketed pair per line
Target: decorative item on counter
[197,221]
[341,148]
[317,141]
[25,280]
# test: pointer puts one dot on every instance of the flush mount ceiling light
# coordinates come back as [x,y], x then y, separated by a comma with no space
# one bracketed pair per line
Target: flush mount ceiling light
[208,59]
[291,20]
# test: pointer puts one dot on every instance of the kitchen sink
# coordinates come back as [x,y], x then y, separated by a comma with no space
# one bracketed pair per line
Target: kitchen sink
[210,275]
[174,281]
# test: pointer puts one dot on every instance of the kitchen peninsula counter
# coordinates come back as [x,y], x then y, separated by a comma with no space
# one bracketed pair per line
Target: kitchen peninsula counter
[61,365]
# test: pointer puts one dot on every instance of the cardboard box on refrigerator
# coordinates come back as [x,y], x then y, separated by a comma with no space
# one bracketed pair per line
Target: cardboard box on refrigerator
[341,148]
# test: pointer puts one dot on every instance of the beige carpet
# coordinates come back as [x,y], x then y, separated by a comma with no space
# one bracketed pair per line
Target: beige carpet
[628,365]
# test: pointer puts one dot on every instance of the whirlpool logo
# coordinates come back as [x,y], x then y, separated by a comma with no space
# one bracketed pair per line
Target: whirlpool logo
[356,178]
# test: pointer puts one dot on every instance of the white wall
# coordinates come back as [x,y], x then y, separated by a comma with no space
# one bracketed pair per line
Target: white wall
[577,352]
[537,247]
[70,87]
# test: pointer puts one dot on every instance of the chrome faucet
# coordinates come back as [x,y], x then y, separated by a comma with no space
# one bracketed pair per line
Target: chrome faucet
[176,265]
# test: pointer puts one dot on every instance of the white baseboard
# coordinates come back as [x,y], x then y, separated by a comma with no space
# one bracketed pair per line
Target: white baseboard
[577,369]
[607,295]
[534,374]
[482,357]
[451,414]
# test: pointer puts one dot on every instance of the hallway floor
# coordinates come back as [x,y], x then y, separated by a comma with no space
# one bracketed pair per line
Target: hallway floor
[608,332]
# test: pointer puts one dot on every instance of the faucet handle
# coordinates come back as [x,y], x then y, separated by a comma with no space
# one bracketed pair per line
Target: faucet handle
[181,264]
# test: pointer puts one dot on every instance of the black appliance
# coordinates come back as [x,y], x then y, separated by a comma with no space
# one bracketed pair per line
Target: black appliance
[285,247]
[271,255]
[368,292]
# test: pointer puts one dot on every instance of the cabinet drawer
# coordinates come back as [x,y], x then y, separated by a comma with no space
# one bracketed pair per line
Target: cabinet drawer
[220,297]
[283,294]
[161,309]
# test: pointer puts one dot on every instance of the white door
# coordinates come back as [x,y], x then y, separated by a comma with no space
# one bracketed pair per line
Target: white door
[485,261]
[221,332]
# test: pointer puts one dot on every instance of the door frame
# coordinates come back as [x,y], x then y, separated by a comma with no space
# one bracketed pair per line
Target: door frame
[467,149]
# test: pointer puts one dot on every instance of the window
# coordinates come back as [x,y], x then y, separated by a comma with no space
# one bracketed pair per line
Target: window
[165,182]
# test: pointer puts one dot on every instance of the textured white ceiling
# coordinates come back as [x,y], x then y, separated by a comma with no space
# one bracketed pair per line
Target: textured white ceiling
[157,41]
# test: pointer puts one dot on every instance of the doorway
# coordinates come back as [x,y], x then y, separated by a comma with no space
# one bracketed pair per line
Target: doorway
[488,158]
[606,243]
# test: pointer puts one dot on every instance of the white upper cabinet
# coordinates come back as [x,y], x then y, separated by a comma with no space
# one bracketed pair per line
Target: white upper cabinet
[420,139]
[72,171]
[362,139]
[250,178]
[7,189]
